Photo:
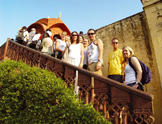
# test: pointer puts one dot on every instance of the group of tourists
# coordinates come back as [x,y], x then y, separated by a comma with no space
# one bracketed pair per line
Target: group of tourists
[76,50]
[86,54]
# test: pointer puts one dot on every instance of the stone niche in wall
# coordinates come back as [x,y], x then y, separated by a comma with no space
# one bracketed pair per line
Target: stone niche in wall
[159,27]
[159,20]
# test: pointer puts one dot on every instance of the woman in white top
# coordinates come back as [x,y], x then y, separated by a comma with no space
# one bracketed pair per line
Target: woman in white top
[60,45]
[130,76]
[76,54]
[55,38]
[47,44]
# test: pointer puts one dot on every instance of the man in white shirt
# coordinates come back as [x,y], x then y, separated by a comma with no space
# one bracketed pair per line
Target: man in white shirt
[95,53]
[31,35]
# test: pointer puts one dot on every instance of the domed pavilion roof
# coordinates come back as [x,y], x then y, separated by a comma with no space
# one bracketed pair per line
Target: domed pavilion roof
[55,24]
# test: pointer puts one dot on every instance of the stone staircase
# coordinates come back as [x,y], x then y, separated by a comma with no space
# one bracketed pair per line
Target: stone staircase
[107,96]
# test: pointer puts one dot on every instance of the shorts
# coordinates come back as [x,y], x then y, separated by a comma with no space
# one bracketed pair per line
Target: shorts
[92,68]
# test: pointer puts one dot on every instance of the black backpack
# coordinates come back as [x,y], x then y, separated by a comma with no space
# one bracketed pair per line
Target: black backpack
[146,73]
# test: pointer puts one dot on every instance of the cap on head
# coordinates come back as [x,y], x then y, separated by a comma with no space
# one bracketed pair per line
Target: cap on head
[49,33]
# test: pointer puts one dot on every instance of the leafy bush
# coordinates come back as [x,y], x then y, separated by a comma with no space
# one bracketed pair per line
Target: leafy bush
[32,95]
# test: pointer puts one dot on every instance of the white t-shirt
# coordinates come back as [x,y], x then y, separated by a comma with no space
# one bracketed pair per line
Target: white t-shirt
[36,37]
[62,44]
[130,76]
[74,54]
[26,35]
[93,53]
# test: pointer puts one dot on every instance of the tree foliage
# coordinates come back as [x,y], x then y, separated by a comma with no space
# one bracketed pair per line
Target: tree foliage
[33,95]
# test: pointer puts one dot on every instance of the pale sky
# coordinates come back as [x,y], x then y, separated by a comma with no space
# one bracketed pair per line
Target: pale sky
[78,15]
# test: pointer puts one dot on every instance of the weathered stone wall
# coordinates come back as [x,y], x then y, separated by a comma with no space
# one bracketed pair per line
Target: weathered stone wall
[133,31]
[153,11]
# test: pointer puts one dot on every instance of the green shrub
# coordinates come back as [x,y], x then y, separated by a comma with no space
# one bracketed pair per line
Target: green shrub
[32,95]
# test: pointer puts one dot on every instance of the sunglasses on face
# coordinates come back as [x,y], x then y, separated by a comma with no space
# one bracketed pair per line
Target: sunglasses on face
[74,34]
[90,34]
[114,42]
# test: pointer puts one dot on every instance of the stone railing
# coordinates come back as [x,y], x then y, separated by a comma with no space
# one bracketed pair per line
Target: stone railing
[107,96]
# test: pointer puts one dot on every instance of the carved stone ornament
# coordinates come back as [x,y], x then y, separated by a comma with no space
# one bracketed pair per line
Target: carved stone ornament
[148,2]
[145,1]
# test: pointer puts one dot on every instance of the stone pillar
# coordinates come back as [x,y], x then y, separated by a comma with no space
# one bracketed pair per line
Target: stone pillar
[153,11]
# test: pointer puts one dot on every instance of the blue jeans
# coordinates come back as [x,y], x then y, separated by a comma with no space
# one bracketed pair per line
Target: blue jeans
[140,87]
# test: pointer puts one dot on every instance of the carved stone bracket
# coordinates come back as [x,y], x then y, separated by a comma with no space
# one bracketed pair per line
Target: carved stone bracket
[50,65]
[142,109]
[43,61]
[84,83]
[69,76]
[59,70]
[35,60]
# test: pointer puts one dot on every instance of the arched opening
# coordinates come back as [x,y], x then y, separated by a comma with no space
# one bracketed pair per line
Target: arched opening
[37,26]
[59,28]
